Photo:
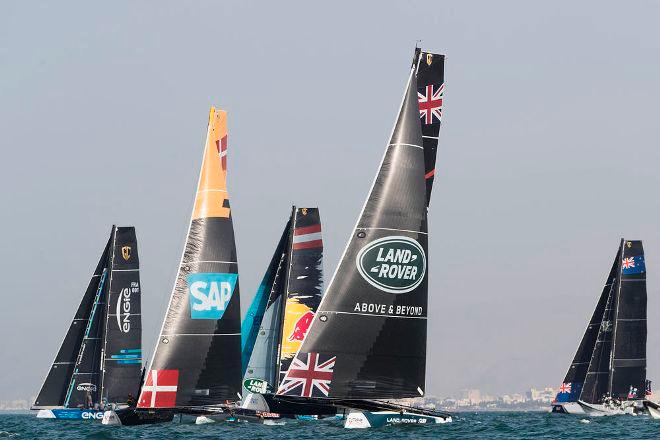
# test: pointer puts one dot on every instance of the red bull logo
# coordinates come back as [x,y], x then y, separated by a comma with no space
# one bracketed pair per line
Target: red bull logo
[301,327]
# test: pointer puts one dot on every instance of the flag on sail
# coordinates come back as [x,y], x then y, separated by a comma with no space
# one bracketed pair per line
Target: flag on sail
[633,265]
[307,237]
[310,377]
[430,103]
[159,390]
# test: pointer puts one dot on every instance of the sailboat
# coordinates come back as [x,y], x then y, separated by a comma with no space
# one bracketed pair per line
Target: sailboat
[608,373]
[280,315]
[366,346]
[100,360]
[196,364]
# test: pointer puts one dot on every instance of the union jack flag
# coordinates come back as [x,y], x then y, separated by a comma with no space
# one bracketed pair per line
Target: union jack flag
[565,388]
[430,103]
[629,262]
[310,378]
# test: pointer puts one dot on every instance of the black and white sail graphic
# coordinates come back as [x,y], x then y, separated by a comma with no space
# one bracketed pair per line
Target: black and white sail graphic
[571,387]
[122,345]
[368,338]
[53,392]
[197,360]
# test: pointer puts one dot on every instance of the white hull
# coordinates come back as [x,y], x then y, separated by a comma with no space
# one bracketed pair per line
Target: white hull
[45,414]
[570,408]
[110,418]
[377,419]
[598,410]
[653,408]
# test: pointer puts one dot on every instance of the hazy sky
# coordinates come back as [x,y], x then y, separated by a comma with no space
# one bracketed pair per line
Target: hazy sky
[548,155]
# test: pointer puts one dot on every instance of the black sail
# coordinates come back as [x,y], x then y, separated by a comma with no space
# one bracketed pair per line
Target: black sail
[628,375]
[577,371]
[597,379]
[368,338]
[122,349]
[54,389]
[430,91]
[197,360]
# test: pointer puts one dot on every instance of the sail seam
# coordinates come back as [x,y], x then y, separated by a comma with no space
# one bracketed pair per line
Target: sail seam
[395,229]
[405,145]
[371,314]
[202,334]
[209,261]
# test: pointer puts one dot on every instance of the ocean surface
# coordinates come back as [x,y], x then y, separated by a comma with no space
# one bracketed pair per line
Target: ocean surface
[500,425]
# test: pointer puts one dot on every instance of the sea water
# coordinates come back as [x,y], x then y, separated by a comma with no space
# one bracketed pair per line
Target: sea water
[482,425]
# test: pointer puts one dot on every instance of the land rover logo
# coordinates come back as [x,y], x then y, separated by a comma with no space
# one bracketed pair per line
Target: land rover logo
[257,386]
[394,264]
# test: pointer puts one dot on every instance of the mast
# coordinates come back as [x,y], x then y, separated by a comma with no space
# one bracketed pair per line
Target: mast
[577,371]
[628,355]
[596,382]
[122,359]
[55,386]
[197,359]
[285,298]
[368,339]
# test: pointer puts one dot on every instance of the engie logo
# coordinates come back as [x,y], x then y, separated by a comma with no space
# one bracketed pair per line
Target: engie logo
[394,264]
[90,387]
[210,294]
[123,308]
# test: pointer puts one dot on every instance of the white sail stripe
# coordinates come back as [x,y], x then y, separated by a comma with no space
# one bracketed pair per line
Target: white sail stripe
[307,237]
[431,137]
[394,229]
[80,373]
[405,145]
[63,363]
[125,270]
[202,334]
[373,314]
[209,261]
[211,190]
[95,275]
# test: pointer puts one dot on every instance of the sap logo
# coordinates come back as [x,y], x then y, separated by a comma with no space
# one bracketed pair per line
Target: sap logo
[92,415]
[210,294]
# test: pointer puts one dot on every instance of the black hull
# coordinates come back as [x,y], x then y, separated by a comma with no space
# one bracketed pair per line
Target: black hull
[290,409]
[131,417]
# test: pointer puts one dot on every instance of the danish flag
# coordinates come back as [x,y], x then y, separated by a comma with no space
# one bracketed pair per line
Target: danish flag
[565,388]
[159,390]
[430,103]
[308,379]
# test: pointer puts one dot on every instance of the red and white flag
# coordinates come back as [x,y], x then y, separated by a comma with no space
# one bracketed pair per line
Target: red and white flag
[159,390]
[307,237]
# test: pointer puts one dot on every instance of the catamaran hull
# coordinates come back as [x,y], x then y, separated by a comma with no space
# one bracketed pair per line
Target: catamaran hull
[598,410]
[70,414]
[653,409]
[377,419]
[131,417]
[567,408]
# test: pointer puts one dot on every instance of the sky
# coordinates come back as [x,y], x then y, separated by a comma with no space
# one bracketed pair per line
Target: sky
[548,156]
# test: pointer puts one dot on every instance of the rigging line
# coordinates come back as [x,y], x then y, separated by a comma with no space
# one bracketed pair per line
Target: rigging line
[373,314]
